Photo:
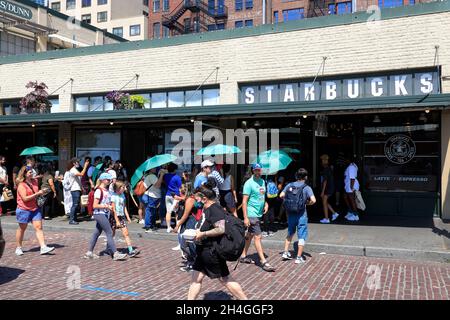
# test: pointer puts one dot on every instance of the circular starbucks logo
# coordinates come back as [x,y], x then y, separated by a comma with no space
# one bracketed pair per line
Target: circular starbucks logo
[399,149]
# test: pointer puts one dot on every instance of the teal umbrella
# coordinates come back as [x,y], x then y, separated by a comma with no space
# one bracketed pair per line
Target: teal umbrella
[32,151]
[273,161]
[96,172]
[151,163]
[218,149]
[291,150]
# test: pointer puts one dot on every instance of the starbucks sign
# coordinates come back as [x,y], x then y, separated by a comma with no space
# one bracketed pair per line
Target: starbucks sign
[400,149]
[15,9]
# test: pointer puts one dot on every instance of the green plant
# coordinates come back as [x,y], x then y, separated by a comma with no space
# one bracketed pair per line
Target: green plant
[138,101]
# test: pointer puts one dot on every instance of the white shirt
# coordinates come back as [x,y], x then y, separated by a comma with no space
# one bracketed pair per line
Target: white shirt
[153,192]
[75,180]
[351,173]
[3,174]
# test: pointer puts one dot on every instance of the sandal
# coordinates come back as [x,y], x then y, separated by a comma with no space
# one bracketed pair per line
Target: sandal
[246,260]
[267,267]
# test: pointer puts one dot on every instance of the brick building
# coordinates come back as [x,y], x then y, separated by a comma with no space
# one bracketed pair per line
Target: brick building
[174,17]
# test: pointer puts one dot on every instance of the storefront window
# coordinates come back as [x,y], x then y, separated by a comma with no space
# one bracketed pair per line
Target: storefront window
[159,100]
[96,104]
[176,99]
[55,106]
[193,98]
[402,153]
[97,143]
[82,104]
[211,97]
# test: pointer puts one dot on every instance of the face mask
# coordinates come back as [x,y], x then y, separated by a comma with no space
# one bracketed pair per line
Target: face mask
[198,204]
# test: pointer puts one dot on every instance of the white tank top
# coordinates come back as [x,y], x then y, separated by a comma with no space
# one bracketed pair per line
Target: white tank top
[226,185]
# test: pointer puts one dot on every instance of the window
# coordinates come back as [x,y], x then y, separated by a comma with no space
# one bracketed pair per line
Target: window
[166,5]
[341,8]
[212,27]
[156,30]
[86,18]
[156,5]
[211,97]
[118,31]
[390,3]
[11,44]
[293,14]
[166,32]
[71,4]
[193,98]
[56,6]
[135,30]
[159,100]
[220,26]
[85,3]
[275,17]
[249,23]
[98,143]
[102,16]
[102,2]
[221,6]
[238,24]
[248,4]
[176,99]
[238,5]
[211,6]
[146,3]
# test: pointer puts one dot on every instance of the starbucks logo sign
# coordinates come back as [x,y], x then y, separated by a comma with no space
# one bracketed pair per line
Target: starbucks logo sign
[400,149]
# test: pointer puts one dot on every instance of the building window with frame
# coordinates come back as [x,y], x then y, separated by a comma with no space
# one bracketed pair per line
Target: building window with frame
[71,4]
[238,24]
[249,23]
[156,5]
[135,30]
[146,2]
[293,14]
[211,6]
[248,4]
[220,26]
[102,16]
[391,3]
[86,18]
[340,8]
[166,5]
[166,32]
[275,17]
[118,31]
[86,3]
[238,5]
[220,6]
[102,2]
[56,6]
[156,30]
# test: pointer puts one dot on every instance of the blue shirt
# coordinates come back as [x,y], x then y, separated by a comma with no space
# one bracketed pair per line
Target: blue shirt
[307,191]
[173,183]
[199,180]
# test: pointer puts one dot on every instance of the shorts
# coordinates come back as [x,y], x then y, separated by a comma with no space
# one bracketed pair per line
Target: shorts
[170,204]
[299,222]
[208,262]
[24,216]
[122,221]
[255,226]
[227,199]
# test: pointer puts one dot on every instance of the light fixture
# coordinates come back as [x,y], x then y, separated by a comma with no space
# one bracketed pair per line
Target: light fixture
[257,124]
[427,110]
[376,119]
[298,122]
[244,124]
[422,117]
[33,125]
[111,123]
[192,120]
[305,116]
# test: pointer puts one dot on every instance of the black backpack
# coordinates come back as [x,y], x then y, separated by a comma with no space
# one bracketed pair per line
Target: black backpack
[294,200]
[232,243]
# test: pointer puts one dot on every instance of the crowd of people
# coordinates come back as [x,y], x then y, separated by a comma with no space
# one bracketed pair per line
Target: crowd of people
[195,203]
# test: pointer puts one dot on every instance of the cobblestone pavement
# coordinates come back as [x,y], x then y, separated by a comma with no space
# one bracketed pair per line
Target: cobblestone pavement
[155,274]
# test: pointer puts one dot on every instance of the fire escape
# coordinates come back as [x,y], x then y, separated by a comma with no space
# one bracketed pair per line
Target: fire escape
[319,8]
[203,15]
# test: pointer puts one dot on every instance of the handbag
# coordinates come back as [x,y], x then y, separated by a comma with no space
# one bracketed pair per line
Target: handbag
[41,201]
[84,200]
[7,195]
[359,201]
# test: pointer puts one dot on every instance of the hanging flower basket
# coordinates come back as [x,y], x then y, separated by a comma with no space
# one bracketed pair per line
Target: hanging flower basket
[37,100]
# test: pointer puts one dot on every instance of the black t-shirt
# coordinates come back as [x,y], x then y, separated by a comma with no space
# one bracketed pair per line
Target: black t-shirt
[327,174]
[212,214]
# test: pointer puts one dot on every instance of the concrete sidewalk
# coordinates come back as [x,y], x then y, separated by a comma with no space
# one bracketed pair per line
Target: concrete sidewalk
[407,238]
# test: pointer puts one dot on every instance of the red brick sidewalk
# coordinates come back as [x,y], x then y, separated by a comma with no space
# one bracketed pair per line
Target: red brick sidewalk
[155,274]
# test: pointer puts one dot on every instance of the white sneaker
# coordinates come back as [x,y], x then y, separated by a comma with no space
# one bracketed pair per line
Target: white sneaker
[349,216]
[91,255]
[176,248]
[355,217]
[300,260]
[19,252]
[169,229]
[325,221]
[45,250]
[142,221]
[334,216]
[286,256]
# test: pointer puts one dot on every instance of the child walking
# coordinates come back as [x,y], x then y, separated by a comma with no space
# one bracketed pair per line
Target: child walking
[120,215]
[102,211]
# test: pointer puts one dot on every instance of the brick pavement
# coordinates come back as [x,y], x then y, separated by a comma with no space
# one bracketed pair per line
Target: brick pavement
[155,274]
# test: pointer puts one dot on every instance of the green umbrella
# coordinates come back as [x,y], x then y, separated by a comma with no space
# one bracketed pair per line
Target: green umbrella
[218,149]
[273,161]
[291,150]
[96,171]
[151,163]
[35,151]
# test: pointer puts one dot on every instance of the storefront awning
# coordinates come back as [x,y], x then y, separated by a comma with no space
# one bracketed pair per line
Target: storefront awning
[68,40]
[370,105]
[10,21]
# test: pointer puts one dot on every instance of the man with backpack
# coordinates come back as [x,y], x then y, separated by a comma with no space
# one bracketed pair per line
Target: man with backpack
[254,205]
[297,195]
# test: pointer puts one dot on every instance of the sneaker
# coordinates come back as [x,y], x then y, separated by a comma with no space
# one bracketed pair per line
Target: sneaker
[187,268]
[334,216]
[19,252]
[142,221]
[106,253]
[349,216]
[265,234]
[133,253]
[326,221]
[286,256]
[355,217]
[90,255]
[176,248]
[149,230]
[119,256]
[73,223]
[169,229]
[300,260]
[46,250]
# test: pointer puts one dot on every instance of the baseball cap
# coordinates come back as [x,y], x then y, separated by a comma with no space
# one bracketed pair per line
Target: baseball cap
[105,176]
[207,163]
[256,166]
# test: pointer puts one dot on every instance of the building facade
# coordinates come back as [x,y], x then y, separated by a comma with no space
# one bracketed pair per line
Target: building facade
[28,28]
[126,19]
[381,94]
[174,17]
